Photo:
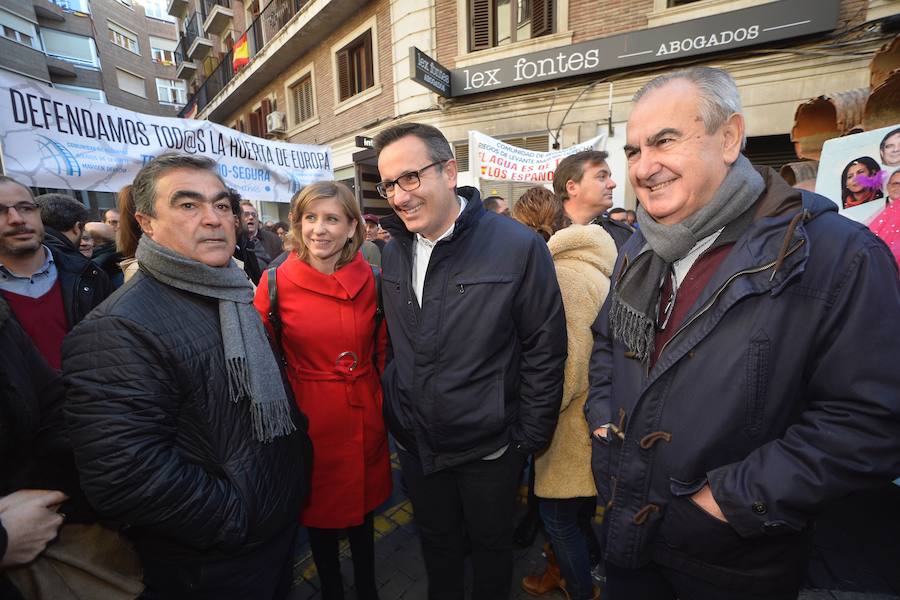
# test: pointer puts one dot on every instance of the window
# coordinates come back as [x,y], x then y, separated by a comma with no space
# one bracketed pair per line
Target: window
[171,91]
[127,3]
[302,100]
[92,93]
[156,9]
[499,22]
[18,29]
[355,66]
[461,152]
[131,83]
[73,5]
[120,36]
[73,48]
[162,50]
[258,118]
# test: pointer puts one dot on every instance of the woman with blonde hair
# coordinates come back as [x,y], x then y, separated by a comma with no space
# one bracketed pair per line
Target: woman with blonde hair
[333,345]
[584,256]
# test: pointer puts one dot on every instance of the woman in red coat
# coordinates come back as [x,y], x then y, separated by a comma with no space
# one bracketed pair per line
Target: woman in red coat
[326,302]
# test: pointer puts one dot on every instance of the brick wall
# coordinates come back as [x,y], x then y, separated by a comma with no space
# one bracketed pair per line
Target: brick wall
[446,29]
[589,19]
[333,126]
[142,65]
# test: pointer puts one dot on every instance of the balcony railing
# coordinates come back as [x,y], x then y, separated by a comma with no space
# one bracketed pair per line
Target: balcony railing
[191,30]
[209,5]
[265,26]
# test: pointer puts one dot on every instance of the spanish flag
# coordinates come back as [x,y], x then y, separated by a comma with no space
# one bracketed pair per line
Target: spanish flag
[241,51]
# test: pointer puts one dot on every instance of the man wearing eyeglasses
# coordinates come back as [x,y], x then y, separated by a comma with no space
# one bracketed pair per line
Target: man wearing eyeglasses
[479,342]
[48,288]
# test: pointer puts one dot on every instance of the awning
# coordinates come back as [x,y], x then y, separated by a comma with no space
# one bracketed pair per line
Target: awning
[853,111]
[826,117]
[883,105]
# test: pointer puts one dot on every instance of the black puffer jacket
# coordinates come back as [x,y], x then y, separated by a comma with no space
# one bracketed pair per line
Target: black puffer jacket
[159,445]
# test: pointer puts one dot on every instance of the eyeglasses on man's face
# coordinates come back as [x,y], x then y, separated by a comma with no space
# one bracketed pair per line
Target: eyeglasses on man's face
[23,208]
[408,181]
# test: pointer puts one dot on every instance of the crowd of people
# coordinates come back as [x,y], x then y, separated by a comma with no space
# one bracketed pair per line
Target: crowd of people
[183,386]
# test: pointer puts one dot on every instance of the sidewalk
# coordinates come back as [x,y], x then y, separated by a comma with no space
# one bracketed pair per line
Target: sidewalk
[401,572]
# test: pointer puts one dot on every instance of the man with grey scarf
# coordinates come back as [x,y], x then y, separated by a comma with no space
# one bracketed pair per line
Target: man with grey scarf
[728,403]
[184,432]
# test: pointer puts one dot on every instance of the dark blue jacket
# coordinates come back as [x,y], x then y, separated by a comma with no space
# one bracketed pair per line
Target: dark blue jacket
[480,364]
[781,390]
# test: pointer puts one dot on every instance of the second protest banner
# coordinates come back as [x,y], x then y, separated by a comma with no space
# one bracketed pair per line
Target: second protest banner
[492,159]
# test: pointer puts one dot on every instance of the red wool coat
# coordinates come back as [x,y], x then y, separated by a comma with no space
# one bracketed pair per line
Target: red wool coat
[324,316]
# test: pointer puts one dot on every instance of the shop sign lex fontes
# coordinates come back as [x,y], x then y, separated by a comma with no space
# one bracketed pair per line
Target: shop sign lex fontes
[762,24]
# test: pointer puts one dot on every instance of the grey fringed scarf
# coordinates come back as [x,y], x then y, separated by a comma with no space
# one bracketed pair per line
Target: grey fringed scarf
[635,302]
[252,370]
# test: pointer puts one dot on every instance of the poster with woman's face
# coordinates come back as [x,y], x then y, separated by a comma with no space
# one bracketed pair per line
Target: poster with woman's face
[856,171]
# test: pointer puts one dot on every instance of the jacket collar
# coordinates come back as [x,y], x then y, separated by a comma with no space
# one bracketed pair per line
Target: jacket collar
[345,283]
[466,220]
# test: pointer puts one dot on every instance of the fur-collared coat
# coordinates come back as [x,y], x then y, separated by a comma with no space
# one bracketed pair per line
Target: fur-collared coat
[584,256]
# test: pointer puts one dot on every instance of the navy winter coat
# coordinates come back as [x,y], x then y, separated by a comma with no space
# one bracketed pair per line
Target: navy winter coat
[781,390]
[480,364]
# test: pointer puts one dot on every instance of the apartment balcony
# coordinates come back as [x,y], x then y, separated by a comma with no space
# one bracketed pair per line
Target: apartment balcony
[58,67]
[198,45]
[185,68]
[50,11]
[284,31]
[178,8]
[219,16]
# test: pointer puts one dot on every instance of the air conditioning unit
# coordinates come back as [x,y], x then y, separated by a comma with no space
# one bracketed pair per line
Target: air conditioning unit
[276,122]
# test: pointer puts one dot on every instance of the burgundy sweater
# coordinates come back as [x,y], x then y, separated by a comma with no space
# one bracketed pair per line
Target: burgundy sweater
[44,320]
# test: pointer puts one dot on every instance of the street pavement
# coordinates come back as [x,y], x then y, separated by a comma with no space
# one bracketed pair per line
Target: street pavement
[841,569]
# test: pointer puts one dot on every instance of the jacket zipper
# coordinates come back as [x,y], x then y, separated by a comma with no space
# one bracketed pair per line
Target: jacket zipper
[709,304]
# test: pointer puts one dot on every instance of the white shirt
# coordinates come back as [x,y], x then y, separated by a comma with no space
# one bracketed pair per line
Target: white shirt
[422,249]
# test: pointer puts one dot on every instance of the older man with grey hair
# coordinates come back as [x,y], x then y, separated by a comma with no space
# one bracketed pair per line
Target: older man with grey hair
[729,400]
[182,427]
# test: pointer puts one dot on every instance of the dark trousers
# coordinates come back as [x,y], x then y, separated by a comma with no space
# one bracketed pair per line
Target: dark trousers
[655,582]
[325,551]
[467,505]
[264,574]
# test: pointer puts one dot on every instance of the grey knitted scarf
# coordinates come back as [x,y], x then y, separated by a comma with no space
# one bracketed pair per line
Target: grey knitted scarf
[635,303]
[252,370]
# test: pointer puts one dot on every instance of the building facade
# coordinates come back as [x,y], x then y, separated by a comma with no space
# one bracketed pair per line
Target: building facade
[535,73]
[119,52]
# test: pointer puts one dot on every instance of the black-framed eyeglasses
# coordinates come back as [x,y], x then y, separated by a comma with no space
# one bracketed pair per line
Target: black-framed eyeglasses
[408,181]
[23,208]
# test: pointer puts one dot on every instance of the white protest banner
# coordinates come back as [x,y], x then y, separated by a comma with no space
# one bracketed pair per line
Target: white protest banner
[854,171]
[54,139]
[492,159]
